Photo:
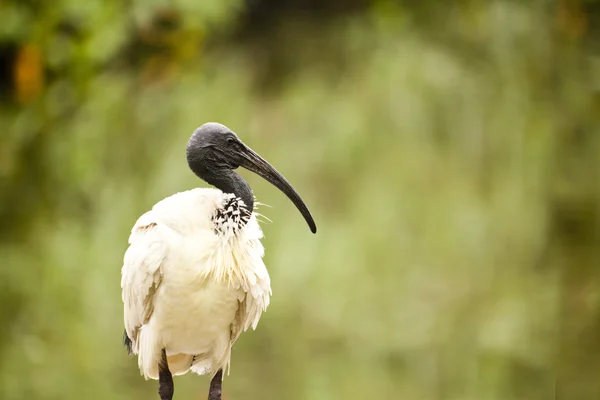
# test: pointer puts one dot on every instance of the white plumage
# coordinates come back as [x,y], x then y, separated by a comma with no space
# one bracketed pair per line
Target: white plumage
[193,277]
[189,288]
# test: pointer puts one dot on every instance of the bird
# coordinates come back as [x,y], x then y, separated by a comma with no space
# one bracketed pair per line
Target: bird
[193,277]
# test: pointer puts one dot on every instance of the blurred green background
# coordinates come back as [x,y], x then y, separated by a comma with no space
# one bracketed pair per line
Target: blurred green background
[449,152]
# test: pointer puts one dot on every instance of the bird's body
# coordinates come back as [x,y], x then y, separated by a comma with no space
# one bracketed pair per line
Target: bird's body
[204,278]
[193,278]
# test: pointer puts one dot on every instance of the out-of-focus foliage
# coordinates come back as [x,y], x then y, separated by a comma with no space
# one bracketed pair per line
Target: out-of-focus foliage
[449,152]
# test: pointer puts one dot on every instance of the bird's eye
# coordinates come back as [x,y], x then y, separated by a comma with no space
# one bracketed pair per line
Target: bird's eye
[230,140]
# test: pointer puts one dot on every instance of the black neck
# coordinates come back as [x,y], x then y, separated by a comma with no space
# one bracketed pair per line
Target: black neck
[229,181]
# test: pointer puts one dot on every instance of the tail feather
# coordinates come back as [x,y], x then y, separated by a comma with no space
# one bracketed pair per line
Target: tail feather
[127,343]
[149,352]
[202,364]
[219,358]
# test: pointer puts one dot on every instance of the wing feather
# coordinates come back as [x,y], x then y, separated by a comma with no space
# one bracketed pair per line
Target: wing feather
[141,274]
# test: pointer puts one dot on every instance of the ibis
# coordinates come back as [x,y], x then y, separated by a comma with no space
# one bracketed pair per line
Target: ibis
[193,278]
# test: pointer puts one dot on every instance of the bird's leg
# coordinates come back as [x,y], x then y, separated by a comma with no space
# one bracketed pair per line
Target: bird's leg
[165,379]
[214,393]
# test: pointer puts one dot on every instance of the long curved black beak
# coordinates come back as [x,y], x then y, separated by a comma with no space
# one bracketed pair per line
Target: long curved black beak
[255,163]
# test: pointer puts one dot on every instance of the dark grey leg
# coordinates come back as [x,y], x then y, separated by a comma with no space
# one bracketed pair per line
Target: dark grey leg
[214,393]
[165,379]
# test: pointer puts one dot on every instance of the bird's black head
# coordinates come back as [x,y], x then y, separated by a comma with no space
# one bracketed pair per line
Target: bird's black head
[214,151]
[213,147]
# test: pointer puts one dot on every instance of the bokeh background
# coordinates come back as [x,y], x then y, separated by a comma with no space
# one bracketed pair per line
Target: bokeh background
[449,152]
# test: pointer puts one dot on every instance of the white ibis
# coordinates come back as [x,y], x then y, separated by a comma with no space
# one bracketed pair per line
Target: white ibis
[193,277]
